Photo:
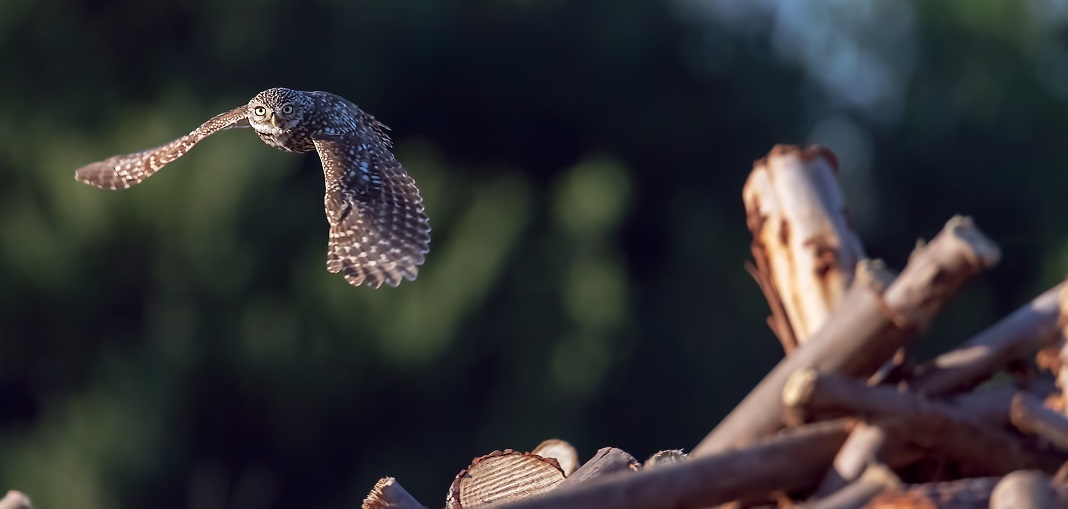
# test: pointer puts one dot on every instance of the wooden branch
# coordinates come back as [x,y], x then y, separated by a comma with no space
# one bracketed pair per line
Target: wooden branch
[990,406]
[564,454]
[787,462]
[665,457]
[866,329]
[930,424]
[1024,490]
[1030,416]
[804,248]
[15,500]
[973,493]
[875,480]
[1024,331]
[608,460]
[388,494]
[860,451]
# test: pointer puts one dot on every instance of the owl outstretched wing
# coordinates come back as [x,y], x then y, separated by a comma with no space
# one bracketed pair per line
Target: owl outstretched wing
[123,171]
[379,232]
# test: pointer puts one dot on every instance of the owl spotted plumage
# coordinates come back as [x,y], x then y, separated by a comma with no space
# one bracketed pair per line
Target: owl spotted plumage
[379,231]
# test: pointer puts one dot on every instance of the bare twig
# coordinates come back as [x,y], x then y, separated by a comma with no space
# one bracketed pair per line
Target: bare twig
[866,329]
[875,480]
[1017,335]
[930,424]
[788,462]
[1030,416]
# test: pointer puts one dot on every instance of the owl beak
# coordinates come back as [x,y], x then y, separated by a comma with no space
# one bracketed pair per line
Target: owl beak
[273,120]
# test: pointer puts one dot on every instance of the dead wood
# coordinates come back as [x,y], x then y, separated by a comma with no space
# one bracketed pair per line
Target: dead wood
[860,452]
[608,460]
[1030,416]
[790,461]
[503,476]
[972,493]
[388,494]
[1024,490]
[934,425]
[804,249]
[876,479]
[867,328]
[564,454]
[15,500]
[1025,331]
[665,457]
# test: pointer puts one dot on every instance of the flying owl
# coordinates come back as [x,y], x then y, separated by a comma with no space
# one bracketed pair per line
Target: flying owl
[379,231]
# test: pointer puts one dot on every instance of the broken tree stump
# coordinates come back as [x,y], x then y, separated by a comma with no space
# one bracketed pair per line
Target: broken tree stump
[804,249]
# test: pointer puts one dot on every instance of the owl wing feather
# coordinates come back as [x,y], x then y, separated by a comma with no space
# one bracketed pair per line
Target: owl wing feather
[379,232]
[125,170]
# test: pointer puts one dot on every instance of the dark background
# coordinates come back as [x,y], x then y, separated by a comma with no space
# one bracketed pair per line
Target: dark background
[180,344]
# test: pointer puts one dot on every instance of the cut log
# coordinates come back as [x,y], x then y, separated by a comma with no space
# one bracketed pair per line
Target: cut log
[503,476]
[564,454]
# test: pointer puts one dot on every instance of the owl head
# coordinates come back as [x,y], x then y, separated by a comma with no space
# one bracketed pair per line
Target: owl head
[277,110]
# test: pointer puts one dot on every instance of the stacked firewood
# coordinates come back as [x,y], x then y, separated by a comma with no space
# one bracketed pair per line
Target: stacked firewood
[848,419]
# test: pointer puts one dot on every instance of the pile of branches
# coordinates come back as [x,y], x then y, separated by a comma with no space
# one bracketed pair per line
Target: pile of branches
[847,419]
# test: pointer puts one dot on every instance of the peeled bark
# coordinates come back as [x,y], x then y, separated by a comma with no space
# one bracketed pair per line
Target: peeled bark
[805,250]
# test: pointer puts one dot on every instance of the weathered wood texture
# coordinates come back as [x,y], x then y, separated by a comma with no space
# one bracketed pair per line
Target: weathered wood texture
[608,460]
[866,329]
[1020,334]
[388,494]
[804,249]
[943,429]
[791,461]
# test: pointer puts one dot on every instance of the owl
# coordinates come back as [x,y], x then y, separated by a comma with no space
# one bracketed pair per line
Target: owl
[379,230]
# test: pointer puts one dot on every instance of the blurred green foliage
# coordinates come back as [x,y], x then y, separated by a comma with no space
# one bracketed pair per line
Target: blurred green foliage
[180,344]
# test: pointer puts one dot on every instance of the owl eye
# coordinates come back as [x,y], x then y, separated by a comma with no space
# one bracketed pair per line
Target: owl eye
[287,109]
[259,111]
